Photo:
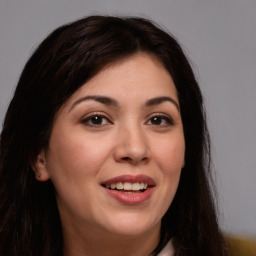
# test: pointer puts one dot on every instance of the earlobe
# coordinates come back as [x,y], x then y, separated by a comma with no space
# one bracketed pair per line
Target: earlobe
[40,168]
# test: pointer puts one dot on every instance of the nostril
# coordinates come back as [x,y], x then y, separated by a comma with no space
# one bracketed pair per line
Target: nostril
[133,160]
[126,158]
[144,159]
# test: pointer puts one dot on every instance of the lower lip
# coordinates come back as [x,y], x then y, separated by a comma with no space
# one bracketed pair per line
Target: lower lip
[131,198]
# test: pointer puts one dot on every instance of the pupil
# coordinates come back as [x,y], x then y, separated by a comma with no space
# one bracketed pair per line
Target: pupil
[156,120]
[96,120]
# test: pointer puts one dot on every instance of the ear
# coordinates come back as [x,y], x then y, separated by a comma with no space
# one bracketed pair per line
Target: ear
[40,168]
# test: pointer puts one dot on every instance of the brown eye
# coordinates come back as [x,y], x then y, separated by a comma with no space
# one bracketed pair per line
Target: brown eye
[160,120]
[156,120]
[96,121]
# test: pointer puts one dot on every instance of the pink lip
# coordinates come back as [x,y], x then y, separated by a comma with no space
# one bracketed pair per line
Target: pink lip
[131,198]
[131,178]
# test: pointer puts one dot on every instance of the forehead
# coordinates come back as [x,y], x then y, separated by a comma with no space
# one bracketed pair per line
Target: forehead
[137,77]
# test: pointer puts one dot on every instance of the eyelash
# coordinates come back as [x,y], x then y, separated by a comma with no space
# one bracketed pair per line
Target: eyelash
[168,120]
[89,119]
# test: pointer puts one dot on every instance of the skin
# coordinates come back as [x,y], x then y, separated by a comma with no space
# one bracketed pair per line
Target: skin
[83,152]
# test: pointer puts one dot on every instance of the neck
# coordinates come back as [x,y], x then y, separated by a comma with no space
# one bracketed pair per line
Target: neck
[95,243]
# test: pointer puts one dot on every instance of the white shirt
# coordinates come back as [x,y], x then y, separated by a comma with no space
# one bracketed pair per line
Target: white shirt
[168,250]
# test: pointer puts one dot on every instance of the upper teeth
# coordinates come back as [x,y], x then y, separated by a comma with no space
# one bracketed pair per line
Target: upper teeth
[127,185]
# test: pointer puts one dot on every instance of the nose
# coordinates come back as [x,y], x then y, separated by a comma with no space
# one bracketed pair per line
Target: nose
[132,145]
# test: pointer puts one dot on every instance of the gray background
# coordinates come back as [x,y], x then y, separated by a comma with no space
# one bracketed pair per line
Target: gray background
[219,36]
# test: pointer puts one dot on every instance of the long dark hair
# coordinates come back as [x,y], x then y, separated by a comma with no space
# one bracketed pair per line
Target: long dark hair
[63,62]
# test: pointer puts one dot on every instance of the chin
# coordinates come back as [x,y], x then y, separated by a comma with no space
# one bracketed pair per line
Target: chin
[130,225]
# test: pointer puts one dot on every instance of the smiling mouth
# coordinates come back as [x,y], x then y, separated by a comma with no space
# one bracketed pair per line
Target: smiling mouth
[128,187]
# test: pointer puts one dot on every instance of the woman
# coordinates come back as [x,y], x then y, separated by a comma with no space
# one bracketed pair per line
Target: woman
[104,148]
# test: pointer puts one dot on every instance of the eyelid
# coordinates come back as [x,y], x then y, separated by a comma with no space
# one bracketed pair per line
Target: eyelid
[87,118]
[167,117]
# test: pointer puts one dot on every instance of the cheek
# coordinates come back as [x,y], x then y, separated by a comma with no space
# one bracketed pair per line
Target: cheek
[73,163]
[170,155]
[170,159]
[75,155]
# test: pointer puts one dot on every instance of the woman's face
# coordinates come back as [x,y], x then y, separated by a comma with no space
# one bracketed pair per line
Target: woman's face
[117,149]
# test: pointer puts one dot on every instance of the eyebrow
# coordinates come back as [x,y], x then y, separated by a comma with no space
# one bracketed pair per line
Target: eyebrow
[159,100]
[102,99]
[112,102]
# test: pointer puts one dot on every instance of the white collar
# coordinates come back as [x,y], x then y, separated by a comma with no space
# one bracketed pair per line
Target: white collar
[168,250]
